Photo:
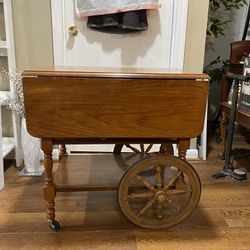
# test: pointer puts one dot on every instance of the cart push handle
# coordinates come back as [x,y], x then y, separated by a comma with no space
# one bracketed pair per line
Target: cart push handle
[238,77]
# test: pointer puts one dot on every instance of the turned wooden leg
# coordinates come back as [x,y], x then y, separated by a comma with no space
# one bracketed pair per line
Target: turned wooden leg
[63,151]
[183,146]
[223,128]
[49,188]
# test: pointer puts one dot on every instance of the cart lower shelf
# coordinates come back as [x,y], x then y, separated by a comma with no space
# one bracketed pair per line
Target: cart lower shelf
[156,192]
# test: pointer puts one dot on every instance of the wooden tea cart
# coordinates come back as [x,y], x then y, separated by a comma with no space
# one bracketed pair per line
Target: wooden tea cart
[123,106]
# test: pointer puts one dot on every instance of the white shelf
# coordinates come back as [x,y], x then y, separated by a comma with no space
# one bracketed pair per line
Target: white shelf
[7,50]
[7,142]
[3,48]
[8,145]
[3,44]
[3,95]
[3,52]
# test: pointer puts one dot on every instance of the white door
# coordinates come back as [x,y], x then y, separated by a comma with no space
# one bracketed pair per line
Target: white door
[161,46]
[1,153]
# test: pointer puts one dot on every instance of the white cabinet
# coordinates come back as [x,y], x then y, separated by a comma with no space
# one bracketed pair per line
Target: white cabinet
[7,61]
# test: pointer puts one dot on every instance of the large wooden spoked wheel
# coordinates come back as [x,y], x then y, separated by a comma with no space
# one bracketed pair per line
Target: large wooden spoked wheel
[159,192]
[144,148]
[137,152]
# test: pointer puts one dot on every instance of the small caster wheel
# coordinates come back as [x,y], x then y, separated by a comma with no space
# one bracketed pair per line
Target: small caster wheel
[54,225]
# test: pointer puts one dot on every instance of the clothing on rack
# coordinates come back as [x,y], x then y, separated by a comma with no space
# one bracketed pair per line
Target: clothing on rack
[124,22]
[85,8]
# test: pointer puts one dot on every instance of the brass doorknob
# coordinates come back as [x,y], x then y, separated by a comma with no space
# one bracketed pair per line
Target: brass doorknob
[73,30]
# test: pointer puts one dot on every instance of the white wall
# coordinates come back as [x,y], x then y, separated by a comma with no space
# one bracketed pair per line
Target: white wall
[32,33]
[196,35]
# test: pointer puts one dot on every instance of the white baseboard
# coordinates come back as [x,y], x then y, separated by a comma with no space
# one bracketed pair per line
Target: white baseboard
[191,153]
[201,152]
[55,155]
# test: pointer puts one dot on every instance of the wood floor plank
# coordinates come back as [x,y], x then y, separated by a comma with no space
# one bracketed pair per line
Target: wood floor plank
[92,220]
[237,217]
[212,238]
[94,240]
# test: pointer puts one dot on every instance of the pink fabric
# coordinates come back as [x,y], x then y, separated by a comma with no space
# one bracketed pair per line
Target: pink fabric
[152,6]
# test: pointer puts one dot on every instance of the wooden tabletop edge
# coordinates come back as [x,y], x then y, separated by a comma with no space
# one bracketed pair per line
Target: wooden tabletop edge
[111,74]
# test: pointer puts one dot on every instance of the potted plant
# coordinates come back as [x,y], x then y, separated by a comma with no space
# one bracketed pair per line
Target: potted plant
[216,27]
[219,18]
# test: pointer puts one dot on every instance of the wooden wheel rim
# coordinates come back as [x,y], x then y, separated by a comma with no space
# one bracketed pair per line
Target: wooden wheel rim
[178,163]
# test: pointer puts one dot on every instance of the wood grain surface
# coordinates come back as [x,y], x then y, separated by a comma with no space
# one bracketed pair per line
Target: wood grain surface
[85,107]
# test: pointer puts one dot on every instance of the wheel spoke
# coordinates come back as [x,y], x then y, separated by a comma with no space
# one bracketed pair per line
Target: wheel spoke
[141,195]
[158,211]
[149,147]
[173,180]
[145,182]
[133,149]
[142,148]
[159,176]
[148,205]
[177,191]
[172,204]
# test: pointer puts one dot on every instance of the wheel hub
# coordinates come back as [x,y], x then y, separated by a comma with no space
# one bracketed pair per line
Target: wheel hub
[161,197]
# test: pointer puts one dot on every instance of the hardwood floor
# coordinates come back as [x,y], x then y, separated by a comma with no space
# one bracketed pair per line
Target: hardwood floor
[93,221]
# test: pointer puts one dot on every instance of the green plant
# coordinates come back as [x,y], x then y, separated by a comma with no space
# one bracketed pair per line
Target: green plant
[16,102]
[216,72]
[216,23]
[216,27]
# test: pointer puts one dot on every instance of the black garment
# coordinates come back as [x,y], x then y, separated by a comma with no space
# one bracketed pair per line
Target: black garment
[122,22]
